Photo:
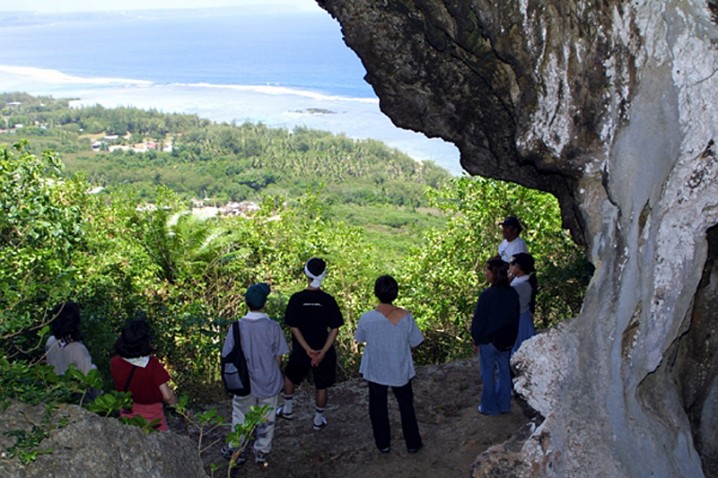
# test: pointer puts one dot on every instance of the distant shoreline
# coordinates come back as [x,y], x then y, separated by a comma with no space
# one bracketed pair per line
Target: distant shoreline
[231,65]
[357,118]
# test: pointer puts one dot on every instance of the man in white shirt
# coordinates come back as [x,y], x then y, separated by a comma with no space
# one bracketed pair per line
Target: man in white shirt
[512,243]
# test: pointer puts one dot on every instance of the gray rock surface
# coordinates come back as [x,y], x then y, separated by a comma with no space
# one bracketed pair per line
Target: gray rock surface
[610,105]
[445,399]
[82,444]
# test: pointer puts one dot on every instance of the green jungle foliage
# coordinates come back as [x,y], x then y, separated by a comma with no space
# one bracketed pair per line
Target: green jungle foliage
[215,162]
[445,274]
[362,183]
[120,256]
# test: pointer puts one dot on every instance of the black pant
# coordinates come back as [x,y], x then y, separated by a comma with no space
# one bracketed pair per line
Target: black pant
[379,415]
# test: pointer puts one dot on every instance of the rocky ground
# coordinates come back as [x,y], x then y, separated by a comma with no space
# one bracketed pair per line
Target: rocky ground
[454,433]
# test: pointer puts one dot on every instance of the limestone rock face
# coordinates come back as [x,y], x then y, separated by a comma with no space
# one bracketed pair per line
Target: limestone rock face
[81,444]
[611,105]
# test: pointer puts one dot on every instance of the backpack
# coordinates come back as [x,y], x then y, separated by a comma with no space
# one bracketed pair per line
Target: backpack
[235,375]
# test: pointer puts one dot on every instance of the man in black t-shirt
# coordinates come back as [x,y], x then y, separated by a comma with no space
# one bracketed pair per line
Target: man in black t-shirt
[315,318]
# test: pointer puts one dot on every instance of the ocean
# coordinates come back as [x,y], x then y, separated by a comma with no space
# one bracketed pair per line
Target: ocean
[283,70]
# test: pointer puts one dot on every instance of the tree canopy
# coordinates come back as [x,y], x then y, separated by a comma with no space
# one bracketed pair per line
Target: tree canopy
[128,251]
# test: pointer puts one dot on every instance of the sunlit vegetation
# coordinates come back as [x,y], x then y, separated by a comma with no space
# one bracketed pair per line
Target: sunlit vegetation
[116,256]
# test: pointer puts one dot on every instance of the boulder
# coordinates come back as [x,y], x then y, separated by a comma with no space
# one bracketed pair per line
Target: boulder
[81,444]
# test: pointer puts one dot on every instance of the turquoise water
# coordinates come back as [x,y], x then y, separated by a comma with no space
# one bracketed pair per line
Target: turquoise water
[219,47]
[281,70]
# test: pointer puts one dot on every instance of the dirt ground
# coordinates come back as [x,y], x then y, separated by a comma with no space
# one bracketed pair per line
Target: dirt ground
[445,397]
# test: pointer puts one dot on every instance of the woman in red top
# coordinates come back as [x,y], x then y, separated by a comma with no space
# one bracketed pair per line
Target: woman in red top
[134,369]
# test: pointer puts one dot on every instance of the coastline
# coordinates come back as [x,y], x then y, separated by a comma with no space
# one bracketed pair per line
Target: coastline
[274,106]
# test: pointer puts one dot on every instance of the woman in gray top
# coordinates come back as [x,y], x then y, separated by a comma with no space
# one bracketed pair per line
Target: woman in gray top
[389,333]
[64,347]
[523,279]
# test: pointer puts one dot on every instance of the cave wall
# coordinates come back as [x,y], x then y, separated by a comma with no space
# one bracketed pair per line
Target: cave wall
[611,106]
[695,364]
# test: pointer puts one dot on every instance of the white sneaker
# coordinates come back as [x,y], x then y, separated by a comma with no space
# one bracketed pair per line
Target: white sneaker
[322,423]
[281,413]
[261,459]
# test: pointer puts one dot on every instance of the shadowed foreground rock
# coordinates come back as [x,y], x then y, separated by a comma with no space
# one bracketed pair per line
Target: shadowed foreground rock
[445,398]
[89,446]
[612,106]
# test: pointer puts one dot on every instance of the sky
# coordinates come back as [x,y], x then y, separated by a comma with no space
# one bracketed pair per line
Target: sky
[442,153]
[62,6]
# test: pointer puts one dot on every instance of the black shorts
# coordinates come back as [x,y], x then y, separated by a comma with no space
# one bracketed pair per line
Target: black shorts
[299,365]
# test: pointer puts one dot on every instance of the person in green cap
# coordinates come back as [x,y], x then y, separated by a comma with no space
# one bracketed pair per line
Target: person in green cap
[263,344]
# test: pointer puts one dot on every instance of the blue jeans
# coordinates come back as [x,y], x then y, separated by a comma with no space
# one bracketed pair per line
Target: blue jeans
[526,329]
[495,373]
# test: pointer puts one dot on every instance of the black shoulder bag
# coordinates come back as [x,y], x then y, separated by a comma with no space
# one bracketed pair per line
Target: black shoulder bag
[235,374]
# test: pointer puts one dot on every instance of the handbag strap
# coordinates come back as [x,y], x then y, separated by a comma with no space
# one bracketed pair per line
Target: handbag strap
[129,379]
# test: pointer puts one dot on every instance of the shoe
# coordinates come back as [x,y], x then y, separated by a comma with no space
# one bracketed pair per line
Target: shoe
[481,411]
[414,450]
[385,450]
[319,426]
[261,459]
[227,453]
[282,414]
